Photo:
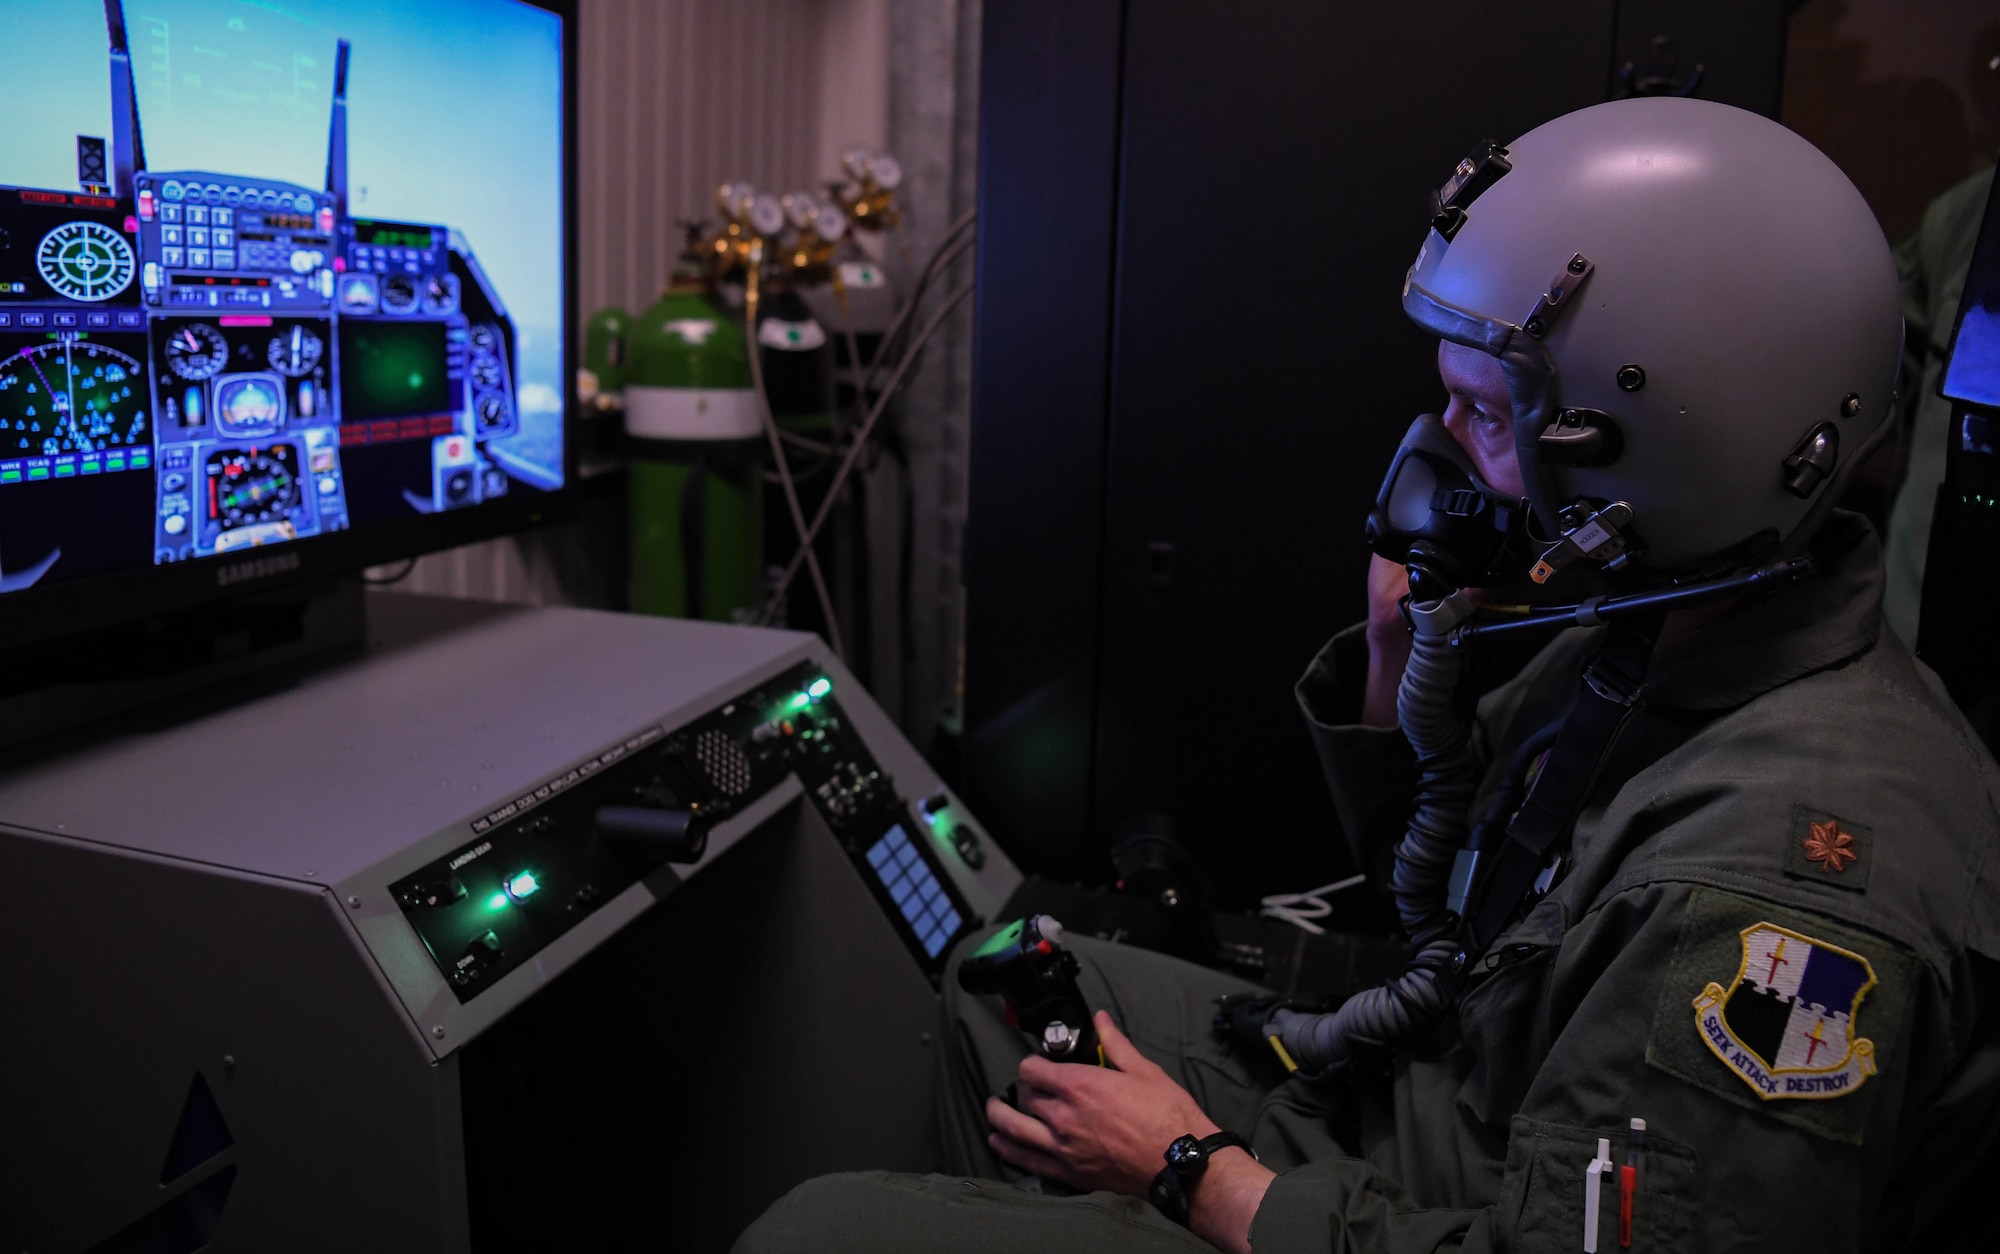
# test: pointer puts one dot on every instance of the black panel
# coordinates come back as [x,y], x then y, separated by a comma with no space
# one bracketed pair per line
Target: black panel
[1162,534]
[1048,114]
[182,1224]
[1739,45]
[1256,404]
[725,1001]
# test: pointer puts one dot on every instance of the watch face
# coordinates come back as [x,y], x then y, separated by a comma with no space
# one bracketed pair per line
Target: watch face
[1184,1154]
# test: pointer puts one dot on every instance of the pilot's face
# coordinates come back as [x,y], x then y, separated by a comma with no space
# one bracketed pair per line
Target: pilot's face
[1480,415]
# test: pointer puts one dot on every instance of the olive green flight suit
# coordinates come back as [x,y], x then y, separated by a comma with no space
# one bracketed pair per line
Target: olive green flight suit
[1776,940]
[1933,265]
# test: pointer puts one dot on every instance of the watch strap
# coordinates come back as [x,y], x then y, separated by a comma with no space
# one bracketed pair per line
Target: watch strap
[1187,1158]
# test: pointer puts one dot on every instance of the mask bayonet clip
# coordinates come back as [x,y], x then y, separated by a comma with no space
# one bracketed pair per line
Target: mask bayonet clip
[1599,536]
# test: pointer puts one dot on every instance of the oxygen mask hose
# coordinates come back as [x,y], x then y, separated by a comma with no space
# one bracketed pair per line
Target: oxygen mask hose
[1426,704]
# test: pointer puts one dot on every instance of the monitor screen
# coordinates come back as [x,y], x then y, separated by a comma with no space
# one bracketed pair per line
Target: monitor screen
[274,273]
[1972,369]
[392,370]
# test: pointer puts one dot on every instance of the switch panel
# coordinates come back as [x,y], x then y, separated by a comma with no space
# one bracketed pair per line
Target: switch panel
[536,866]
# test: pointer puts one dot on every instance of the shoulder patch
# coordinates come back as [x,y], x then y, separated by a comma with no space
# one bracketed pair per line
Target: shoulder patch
[1781,1011]
[1785,1024]
[1829,850]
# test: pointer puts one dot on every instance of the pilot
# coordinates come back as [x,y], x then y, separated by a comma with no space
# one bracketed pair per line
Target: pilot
[1702,902]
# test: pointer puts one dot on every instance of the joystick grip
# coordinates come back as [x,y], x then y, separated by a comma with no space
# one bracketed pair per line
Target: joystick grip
[647,832]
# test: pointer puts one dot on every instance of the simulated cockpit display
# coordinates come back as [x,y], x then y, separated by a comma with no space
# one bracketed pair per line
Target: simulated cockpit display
[270,273]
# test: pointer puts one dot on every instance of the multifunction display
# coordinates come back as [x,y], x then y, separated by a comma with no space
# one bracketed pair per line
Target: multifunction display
[198,361]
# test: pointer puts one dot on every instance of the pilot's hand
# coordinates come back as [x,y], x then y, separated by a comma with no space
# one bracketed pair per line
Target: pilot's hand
[1109,1127]
[1388,641]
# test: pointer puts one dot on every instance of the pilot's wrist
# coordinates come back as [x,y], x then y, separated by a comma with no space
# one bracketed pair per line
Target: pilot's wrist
[1225,1199]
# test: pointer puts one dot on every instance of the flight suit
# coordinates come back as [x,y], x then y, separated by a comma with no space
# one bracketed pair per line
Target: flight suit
[1932,264]
[1776,939]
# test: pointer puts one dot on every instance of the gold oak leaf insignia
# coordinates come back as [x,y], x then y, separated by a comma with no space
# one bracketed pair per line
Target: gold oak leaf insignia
[1827,845]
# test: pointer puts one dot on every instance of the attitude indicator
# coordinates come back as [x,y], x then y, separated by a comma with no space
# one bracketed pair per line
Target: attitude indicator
[85,261]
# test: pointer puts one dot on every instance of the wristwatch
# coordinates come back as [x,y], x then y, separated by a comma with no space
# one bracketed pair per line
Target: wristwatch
[1186,1159]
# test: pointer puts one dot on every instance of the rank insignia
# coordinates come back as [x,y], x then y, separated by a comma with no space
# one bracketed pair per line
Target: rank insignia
[1785,1025]
[1828,850]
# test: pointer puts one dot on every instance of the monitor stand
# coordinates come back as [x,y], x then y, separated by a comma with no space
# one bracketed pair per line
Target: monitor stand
[55,693]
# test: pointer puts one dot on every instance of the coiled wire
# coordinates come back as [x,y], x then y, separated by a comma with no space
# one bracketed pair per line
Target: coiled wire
[1439,822]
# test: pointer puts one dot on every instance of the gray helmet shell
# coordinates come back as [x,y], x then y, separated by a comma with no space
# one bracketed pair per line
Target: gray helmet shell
[1733,264]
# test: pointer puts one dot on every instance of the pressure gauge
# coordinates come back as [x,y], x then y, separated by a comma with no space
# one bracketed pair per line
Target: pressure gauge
[829,222]
[799,209]
[888,172]
[295,352]
[734,200]
[857,161]
[767,216]
[196,351]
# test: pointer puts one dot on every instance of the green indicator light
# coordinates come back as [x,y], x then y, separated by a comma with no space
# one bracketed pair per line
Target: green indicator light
[522,886]
[799,702]
[497,901]
[819,688]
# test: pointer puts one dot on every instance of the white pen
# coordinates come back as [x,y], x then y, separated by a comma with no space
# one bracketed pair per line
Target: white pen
[1593,1179]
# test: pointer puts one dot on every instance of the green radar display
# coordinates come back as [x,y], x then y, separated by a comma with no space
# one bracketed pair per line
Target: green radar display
[70,395]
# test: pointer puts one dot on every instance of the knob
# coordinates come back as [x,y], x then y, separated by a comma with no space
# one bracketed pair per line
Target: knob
[652,833]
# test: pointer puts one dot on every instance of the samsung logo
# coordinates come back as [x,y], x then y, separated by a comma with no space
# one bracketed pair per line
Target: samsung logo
[256,568]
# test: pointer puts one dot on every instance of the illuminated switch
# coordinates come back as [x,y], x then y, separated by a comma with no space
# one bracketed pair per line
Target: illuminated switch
[523,886]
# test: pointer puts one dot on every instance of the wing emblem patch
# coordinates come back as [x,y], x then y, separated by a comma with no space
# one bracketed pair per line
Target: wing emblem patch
[1785,1024]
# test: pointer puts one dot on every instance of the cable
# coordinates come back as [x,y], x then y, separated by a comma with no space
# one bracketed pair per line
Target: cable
[853,350]
[409,564]
[770,422]
[1600,609]
[947,252]
[854,450]
[954,243]
[807,443]
[1299,909]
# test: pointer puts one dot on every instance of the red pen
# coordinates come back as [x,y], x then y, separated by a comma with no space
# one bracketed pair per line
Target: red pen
[1628,1179]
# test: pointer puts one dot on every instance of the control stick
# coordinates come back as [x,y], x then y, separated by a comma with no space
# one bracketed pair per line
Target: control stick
[1026,963]
[652,833]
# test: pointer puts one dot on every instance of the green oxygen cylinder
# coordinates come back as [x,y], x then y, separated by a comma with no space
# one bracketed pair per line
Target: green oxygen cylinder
[696,468]
[600,381]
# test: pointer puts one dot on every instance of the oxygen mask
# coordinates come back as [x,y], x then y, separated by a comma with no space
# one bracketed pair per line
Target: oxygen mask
[1438,517]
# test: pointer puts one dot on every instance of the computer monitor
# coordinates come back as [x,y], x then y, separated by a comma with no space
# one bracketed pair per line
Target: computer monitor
[284,292]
